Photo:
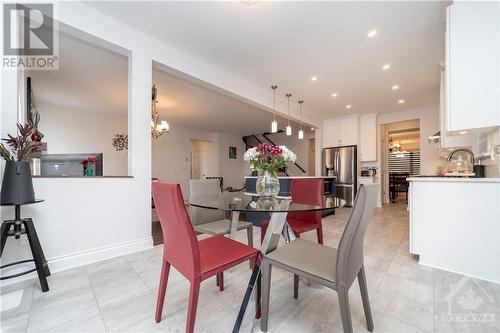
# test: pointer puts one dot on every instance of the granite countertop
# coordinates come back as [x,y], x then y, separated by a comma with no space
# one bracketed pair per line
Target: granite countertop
[454,179]
[300,177]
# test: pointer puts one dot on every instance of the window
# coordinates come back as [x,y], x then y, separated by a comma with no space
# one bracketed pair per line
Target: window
[407,162]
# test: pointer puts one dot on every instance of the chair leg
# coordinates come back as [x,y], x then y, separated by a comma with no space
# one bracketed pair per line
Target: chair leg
[295,286]
[266,288]
[250,236]
[194,292]
[319,232]
[366,300]
[162,288]
[217,280]
[345,311]
[220,281]
[263,229]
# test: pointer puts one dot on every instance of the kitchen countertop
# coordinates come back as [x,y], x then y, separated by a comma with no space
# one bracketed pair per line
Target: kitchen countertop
[454,179]
[299,177]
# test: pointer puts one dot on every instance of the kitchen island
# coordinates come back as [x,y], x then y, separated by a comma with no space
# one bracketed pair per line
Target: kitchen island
[285,183]
[455,224]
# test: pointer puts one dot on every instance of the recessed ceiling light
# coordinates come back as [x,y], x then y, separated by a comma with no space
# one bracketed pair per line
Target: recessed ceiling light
[348,106]
[334,95]
[314,78]
[386,67]
[312,128]
[401,101]
[462,132]
[395,87]
[372,33]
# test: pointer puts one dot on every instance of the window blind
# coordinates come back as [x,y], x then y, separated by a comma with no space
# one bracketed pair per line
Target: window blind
[408,163]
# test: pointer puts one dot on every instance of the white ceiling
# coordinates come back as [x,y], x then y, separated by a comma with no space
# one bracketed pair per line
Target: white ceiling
[186,104]
[288,42]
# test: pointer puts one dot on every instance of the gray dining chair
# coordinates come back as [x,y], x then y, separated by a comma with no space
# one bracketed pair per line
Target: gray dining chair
[212,221]
[334,268]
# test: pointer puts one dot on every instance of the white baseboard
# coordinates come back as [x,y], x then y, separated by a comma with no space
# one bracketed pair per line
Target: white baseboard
[87,257]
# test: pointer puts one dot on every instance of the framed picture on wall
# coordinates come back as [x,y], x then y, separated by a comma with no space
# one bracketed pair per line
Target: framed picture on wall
[232,153]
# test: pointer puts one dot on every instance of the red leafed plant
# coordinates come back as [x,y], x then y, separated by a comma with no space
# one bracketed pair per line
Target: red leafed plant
[21,145]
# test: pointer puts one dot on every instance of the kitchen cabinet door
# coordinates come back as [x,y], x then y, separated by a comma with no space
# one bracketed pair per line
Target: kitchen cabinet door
[331,133]
[472,65]
[349,131]
[368,138]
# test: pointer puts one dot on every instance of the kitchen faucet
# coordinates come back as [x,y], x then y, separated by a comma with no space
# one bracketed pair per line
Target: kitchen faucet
[468,151]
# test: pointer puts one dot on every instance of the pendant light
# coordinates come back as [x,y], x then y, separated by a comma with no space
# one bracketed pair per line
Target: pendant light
[301,132]
[288,127]
[274,124]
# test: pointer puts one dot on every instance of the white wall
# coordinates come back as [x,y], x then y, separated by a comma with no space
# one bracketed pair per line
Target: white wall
[170,156]
[75,131]
[233,170]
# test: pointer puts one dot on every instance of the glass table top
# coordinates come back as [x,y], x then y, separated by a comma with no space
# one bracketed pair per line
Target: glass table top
[248,202]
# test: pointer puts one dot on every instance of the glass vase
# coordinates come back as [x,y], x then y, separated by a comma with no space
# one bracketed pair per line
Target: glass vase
[268,186]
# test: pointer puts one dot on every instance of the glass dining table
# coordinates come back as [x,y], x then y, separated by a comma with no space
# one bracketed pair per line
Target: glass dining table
[236,203]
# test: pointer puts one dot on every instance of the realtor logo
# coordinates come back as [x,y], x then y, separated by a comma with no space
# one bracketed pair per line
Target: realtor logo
[29,37]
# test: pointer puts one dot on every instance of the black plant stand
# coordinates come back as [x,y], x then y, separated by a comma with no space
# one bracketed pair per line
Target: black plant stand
[16,228]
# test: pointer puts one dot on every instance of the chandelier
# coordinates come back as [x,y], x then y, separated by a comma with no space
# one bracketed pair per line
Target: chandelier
[158,128]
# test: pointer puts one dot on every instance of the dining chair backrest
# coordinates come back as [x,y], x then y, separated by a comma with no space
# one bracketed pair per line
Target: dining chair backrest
[350,249]
[204,187]
[180,246]
[309,192]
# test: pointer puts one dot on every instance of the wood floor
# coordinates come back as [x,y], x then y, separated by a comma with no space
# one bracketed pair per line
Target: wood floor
[119,295]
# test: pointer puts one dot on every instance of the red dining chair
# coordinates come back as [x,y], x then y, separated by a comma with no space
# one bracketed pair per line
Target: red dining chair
[196,260]
[304,191]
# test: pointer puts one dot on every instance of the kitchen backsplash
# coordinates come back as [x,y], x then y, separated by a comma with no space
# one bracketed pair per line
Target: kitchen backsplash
[492,164]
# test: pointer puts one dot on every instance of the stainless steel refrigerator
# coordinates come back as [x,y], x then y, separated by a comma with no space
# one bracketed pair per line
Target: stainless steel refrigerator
[342,162]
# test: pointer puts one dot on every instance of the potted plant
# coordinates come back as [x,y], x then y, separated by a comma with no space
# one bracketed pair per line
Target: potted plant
[17,185]
[267,160]
[89,165]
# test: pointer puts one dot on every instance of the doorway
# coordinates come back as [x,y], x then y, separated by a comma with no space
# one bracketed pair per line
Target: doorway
[400,147]
[199,164]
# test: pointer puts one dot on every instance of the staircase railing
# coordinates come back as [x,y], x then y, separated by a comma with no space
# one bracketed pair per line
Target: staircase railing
[265,135]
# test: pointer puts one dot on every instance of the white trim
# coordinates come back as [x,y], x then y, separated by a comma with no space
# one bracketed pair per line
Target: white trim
[88,257]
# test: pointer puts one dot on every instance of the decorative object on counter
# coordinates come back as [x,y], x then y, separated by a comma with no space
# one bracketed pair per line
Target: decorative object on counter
[17,185]
[274,124]
[479,170]
[288,127]
[120,142]
[89,166]
[441,171]
[300,135]
[268,160]
[158,128]
[32,113]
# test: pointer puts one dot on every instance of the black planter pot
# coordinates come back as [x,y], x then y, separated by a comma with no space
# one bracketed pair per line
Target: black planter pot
[17,185]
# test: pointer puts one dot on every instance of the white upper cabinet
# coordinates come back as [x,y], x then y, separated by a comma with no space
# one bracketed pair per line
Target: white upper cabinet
[472,66]
[340,132]
[368,138]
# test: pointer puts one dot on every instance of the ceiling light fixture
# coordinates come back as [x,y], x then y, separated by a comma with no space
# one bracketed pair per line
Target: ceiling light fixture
[334,94]
[301,132]
[395,87]
[401,101]
[372,33]
[314,78]
[158,128]
[462,132]
[386,67]
[348,106]
[312,129]
[274,124]
[288,127]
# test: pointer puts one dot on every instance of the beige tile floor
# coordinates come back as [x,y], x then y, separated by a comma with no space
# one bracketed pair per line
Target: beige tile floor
[118,295]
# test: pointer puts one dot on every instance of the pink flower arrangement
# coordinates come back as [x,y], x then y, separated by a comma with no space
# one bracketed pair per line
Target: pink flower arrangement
[267,157]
